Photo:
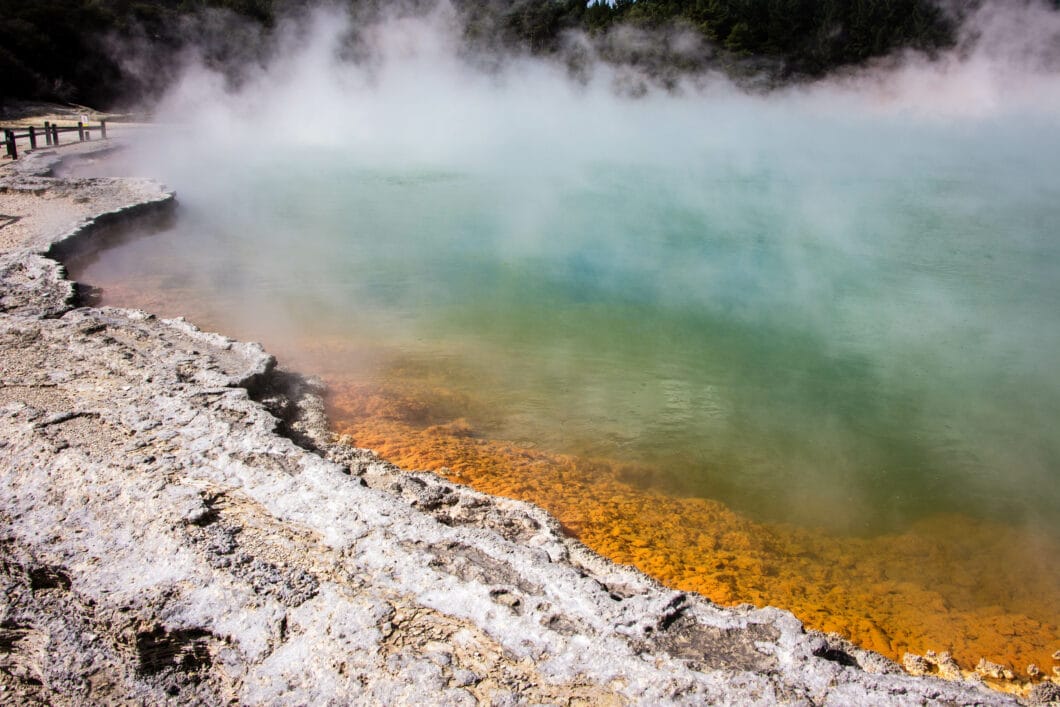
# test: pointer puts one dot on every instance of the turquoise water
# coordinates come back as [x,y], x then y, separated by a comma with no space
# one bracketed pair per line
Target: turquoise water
[852,324]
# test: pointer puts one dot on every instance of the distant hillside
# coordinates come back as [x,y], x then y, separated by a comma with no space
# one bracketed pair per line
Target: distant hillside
[99,52]
[106,52]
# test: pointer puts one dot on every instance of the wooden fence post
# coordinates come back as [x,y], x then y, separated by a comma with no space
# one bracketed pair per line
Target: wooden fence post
[81,131]
[48,132]
[55,134]
[103,129]
[32,138]
[12,148]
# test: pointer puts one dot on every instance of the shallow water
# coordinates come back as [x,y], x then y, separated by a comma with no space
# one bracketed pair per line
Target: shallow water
[829,382]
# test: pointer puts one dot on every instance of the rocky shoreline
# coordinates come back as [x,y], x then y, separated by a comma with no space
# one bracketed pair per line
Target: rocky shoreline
[179,526]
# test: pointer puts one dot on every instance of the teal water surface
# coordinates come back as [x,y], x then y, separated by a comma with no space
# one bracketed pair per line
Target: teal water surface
[854,327]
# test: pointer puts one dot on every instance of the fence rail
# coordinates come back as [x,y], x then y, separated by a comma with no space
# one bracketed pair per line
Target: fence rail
[51,133]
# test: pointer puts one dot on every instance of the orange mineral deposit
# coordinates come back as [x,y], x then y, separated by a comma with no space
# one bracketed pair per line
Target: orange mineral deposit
[935,586]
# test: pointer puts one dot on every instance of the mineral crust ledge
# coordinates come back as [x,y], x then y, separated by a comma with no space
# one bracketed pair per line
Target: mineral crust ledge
[179,527]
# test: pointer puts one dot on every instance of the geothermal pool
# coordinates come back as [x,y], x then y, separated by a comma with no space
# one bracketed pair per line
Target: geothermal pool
[811,361]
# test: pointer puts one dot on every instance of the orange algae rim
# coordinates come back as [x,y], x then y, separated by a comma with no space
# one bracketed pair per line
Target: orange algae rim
[936,586]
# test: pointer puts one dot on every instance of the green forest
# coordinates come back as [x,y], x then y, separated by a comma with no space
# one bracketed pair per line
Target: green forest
[106,52]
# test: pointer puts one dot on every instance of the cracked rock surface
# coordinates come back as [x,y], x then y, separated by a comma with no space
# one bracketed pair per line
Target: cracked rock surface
[177,526]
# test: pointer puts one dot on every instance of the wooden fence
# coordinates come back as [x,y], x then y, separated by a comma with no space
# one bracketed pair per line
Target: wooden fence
[50,133]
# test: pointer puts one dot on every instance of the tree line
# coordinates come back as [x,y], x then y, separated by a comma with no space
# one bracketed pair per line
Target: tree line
[101,52]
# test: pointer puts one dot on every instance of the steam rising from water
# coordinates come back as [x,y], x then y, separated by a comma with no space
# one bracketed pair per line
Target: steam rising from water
[828,301]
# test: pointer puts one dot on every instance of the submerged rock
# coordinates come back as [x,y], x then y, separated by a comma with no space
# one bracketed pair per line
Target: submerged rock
[917,665]
[178,527]
[987,669]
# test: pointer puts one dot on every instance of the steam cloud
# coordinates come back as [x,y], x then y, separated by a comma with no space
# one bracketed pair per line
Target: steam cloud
[838,179]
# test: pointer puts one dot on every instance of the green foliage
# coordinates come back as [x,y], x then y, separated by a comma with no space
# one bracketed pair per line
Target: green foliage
[809,36]
[76,50]
[64,49]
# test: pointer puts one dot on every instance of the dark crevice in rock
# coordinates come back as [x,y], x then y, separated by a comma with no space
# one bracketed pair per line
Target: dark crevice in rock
[509,599]
[295,401]
[86,295]
[62,417]
[159,650]
[672,612]
[48,577]
[837,656]
[23,652]
[837,649]
[212,514]
[668,619]
[11,632]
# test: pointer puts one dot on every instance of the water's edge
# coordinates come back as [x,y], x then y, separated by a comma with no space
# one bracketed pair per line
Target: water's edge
[485,565]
